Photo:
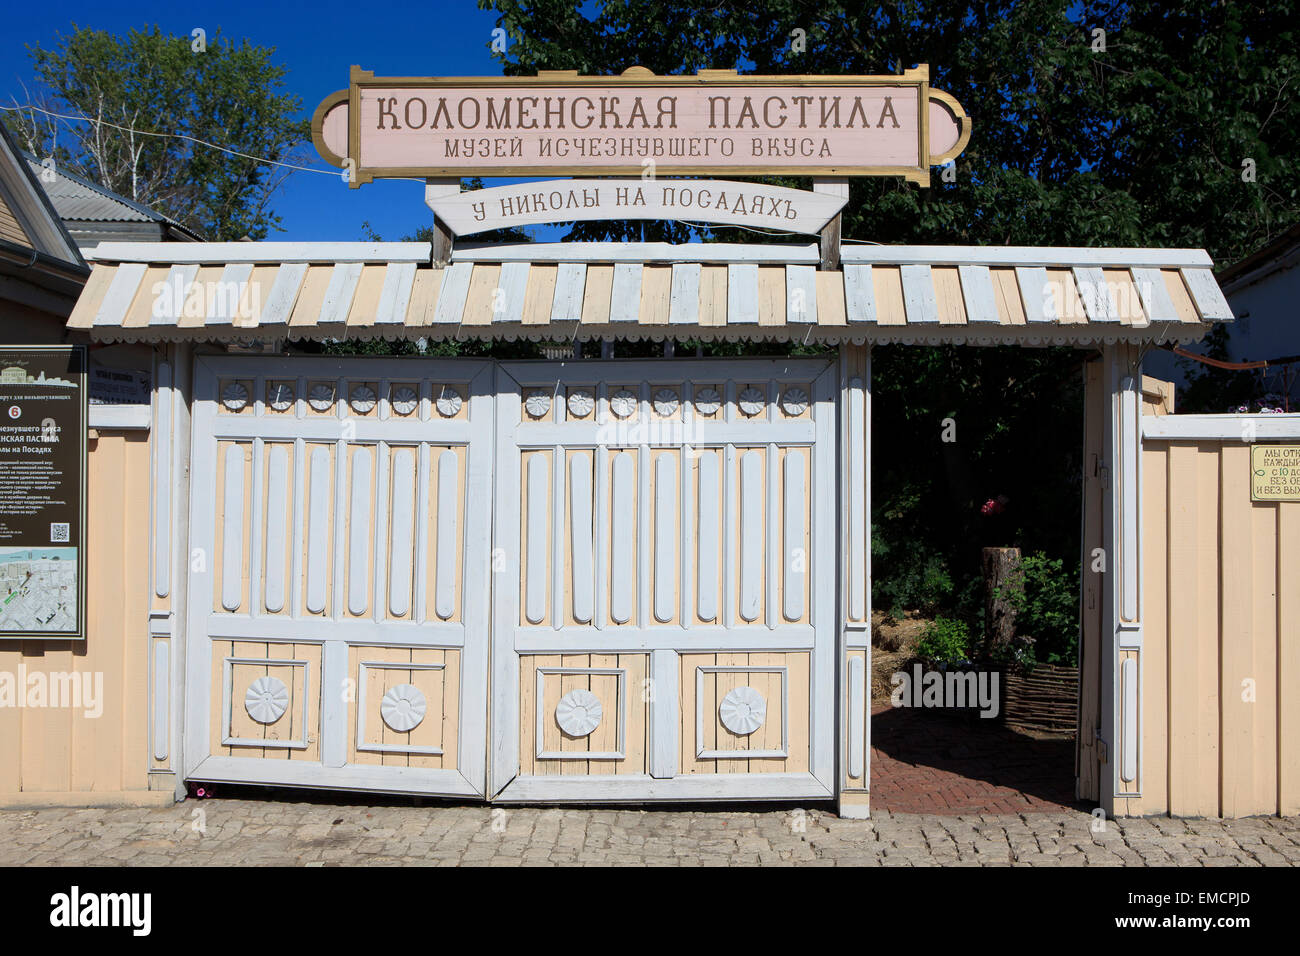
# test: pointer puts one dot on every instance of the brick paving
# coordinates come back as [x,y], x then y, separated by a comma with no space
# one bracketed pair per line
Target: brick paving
[926,761]
[323,832]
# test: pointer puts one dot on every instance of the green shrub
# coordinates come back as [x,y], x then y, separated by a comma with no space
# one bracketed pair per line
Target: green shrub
[908,580]
[944,641]
[1047,611]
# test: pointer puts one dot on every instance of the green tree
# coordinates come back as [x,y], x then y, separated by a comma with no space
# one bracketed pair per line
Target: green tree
[143,101]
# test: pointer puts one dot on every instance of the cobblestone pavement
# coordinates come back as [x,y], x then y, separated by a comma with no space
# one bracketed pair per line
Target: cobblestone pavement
[252,832]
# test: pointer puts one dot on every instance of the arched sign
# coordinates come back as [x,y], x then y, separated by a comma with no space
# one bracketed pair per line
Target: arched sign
[717,122]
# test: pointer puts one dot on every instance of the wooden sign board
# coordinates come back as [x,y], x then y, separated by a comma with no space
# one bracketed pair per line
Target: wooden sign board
[1275,472]
[693,200]
[43,495]
[715,123]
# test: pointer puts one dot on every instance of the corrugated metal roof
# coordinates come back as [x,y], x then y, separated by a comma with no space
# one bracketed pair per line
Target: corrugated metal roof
[926,294]
[77,199]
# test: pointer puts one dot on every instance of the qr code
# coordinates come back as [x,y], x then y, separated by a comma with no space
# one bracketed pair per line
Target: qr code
[59,531]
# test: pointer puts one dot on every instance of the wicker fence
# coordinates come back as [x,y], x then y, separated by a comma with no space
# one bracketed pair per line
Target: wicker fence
[1044,700]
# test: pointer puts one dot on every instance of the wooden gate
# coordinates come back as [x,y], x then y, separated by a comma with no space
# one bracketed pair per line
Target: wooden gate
[664,601]
[338,600]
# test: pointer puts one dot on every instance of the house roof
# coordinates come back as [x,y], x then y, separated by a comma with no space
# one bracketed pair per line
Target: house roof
[37,221]
[924,294]
[80,200]
[1263,261]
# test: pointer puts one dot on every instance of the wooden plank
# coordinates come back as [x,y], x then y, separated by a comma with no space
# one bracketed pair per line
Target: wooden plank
[1180,297]
[365,302]
[122,290]
[830,299]
[742,294]
[948,302]
[92,297]
[1036,295]
[713,296]
[596,294]
[483,296]
[453,293]
[570,280]
[343,280]
[1073,311]
[1288,642]
[801,294]
[684,304]
[771,296]
[1155,630]
[625,296]
[888,287]
[977,293]
[1207,295]
[395,297]
[508,306]
[918,294]
[859,293]
[1156,302]
[656,287]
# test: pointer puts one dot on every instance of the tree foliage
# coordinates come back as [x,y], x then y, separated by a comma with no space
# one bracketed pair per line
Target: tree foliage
[230,95]
[1174,127]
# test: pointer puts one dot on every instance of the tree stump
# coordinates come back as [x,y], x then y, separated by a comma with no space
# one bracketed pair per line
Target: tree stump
[1001,567]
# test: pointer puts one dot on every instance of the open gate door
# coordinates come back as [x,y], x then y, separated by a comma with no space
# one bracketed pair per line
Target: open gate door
[338,603]
[662,626]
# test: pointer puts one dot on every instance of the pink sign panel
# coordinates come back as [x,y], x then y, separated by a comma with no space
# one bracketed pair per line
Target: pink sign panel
[609,126]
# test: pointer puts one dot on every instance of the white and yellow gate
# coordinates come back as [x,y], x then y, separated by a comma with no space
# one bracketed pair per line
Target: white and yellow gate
[664,608]
[338,601]
[646,547]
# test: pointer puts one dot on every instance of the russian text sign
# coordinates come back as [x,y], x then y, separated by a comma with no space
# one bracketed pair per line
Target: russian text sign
[568,200]
[42,492]
[1275,472]
[715,123]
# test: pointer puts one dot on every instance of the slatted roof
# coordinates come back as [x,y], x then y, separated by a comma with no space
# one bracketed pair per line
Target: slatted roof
[924,294]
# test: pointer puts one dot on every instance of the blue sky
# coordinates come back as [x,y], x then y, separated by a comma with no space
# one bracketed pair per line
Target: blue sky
[317,42]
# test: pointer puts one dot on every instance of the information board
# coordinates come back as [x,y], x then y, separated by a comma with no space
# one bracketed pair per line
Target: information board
[43,492]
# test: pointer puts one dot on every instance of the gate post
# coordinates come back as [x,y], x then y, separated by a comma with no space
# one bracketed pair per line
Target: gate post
[854,646]
[1121,657]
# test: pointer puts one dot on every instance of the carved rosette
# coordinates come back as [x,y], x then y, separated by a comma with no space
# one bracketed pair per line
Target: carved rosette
[666,402]
[405,400]
[579,712]
[794,402]
[362,399]
[449,402]
[267,699]
[403,707]
[622,403]
[537,404]
[708,401]
[280,396]
[743,711]
[234,396]
[581,403]
[321,397]
[752,401]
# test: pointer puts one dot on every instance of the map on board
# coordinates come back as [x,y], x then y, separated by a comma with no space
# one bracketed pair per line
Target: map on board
[38,589]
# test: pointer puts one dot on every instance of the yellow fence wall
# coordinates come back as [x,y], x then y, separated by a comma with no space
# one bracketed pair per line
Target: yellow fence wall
[1221,670]
[64,755]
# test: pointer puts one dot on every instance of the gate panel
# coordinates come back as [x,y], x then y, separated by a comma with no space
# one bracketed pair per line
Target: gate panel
[338,626]
[669,636]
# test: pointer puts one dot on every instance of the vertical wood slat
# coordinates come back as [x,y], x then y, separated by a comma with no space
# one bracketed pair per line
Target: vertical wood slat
[395,297]
[1097,295]
[359,531]
[571,279]
[232,523]
[448,544]
[665,533]
[684,300]
[508,305]
[622,516]
[1153,292]
[977,294]
[625,296]
[535,566]
[277,531]
[918,294]
[859,293]
[793,535]
[453,293]
[580,524]
[1036,295]
[801,294]
[1288,642]
[751,533]
[706,571]
[1207,295]
[338,294]
[402,535]
[742,293]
